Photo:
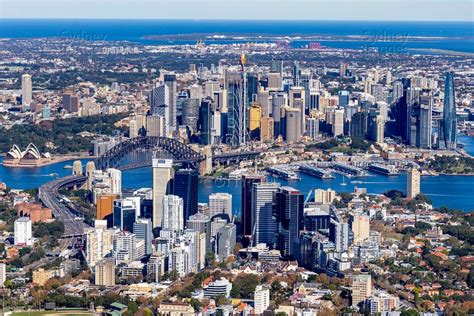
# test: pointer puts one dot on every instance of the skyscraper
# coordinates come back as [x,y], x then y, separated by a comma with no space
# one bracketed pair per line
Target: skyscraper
[426,121]
[288,213]
[204,123]
[247,187]
[186,186]
[173,213]
[125,214]
[170,82]
[360,225]
[337,122]
[449,113]
[236,115]
[297,100]
[26,90]
[226,239]
[413,183]
[339,234]
[358,125]
[264,226]
[201,223]
[162,175]
[343,98]
[255,115]
[142,228]
[296,74]
[160,99]
[277,66]
[293,121]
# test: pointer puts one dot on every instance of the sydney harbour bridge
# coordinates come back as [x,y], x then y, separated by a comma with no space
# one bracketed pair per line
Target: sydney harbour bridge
[133,153]
[138,152]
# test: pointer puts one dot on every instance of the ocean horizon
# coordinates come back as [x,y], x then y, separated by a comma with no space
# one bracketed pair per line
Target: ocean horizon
[409,35]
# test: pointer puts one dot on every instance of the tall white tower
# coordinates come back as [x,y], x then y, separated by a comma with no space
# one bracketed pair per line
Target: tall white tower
[162,174]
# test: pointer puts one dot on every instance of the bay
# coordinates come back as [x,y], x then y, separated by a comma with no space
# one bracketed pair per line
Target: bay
[450,191]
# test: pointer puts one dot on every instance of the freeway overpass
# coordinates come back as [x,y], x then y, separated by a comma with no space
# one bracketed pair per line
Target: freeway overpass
[49,195]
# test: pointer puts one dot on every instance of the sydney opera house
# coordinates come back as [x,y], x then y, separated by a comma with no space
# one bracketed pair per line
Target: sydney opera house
[30,157]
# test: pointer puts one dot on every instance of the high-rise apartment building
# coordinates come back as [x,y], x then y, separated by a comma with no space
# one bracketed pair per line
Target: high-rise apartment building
[324,196]
[361,288]
[173,213]
[22,232]
[413,183]
[360,225]
[26,90]
[105,272]
[261,299]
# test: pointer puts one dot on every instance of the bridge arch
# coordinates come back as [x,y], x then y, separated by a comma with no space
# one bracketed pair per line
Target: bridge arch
[145,146]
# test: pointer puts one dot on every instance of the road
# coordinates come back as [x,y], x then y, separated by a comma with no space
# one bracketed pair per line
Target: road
[49,195]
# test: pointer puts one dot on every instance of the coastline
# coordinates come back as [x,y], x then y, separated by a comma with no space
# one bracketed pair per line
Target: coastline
[52,161]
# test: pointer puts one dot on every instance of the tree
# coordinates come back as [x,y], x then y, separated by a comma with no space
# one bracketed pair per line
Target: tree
[394,194]
[409,312]
[244,286]
[196,304]
[470,279]
[220,300]
[422,226]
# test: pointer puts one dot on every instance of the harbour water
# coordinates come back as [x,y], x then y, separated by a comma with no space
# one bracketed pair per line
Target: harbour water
[451,191]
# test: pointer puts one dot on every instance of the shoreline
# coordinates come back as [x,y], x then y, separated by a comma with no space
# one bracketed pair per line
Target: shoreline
[54,160]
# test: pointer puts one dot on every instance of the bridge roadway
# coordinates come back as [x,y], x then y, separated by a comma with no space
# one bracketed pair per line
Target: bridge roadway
[49,195]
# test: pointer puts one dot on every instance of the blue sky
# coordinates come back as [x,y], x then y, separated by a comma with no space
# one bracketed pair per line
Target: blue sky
[409,10]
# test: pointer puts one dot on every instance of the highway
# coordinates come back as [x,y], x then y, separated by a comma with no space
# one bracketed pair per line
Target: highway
[49,195]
